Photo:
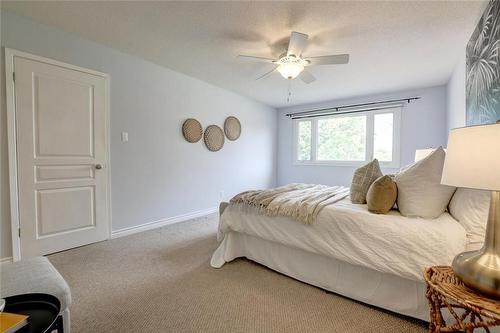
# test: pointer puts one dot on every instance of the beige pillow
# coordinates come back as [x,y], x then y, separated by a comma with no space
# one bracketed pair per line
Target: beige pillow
[362,179]
[470,208]
[382,195]
[420,193]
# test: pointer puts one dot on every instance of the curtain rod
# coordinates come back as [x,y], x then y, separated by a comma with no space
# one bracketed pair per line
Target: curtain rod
[338,109]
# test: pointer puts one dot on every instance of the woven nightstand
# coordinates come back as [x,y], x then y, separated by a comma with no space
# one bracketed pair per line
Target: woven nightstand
[470,309]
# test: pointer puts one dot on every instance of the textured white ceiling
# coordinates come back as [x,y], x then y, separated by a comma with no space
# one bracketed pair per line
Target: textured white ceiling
[394,45]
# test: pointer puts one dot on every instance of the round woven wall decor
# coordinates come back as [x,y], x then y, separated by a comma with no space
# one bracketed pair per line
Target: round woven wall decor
[232,128]
[214,138]
[192,130]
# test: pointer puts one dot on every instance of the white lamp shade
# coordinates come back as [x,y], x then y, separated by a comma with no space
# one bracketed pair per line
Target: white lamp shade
[473,158]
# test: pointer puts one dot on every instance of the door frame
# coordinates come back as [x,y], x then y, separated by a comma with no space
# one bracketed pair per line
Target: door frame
[10,54]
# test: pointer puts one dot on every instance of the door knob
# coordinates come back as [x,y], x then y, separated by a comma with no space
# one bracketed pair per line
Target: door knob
[98,166]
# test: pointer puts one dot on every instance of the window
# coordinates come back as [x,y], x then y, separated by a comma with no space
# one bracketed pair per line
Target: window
[304,143]
[342,139]
[349,139]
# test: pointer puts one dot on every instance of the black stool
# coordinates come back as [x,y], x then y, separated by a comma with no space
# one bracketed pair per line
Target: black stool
[42,309]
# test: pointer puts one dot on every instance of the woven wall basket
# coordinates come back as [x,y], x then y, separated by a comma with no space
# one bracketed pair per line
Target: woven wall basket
[214,138]
[192,130]
[232,128]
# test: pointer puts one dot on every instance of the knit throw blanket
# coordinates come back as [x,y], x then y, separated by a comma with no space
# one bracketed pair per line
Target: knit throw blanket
[302,202]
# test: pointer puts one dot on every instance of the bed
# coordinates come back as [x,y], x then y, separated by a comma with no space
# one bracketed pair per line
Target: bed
[375,259]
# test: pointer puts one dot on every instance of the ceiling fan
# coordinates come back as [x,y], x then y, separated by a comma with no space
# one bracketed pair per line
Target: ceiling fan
[292,64]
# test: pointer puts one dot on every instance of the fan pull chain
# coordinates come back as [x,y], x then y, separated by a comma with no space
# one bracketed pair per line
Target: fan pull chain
[289,95]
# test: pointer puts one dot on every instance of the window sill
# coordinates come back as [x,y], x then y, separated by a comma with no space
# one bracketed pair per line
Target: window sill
[345,164]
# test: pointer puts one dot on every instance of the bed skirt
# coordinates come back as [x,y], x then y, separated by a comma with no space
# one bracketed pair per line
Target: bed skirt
[383,290]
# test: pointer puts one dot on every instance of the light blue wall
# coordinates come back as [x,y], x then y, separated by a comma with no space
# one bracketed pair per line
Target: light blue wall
[456,95]
[423,125]
[156,174]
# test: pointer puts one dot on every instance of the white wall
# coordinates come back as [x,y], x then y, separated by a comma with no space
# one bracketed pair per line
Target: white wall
[423,125]
[456,95]
[156,174]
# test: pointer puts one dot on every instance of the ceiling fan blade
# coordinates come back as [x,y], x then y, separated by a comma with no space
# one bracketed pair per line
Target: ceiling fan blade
[336,59]
[265,74]
[255,59]
[297,43]
[307,77]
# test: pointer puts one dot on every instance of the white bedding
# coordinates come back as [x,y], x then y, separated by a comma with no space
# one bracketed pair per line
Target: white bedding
[386,243]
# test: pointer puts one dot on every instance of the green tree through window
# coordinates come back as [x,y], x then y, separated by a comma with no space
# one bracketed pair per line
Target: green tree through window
[342,139]
[304,141]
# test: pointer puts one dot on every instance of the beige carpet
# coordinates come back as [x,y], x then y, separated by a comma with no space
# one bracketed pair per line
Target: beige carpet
[161,281]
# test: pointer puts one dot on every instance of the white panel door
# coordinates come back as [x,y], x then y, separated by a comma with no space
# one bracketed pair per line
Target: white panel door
[61,137]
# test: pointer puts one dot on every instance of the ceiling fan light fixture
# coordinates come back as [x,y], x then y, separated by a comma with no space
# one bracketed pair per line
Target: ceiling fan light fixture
[290,70]
[291,66]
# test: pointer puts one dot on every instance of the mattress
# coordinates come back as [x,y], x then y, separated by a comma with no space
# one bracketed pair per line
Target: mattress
[348,232]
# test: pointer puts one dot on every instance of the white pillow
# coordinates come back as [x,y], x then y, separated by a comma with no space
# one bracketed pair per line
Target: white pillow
[470,208]
[420,193]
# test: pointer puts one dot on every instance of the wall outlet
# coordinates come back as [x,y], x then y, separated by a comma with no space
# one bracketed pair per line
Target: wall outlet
[124,136]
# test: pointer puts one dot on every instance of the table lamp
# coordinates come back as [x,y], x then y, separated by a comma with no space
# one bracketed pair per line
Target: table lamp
[473,161]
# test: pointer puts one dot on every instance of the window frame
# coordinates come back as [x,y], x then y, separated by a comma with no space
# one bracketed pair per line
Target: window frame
[370,139]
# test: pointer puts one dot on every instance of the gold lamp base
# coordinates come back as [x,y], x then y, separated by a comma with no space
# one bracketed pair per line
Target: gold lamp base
[481,269]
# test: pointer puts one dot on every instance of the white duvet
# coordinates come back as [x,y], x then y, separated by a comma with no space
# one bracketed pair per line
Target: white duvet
[387,243]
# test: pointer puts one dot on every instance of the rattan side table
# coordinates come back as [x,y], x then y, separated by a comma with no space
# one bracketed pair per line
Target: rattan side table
[470,309]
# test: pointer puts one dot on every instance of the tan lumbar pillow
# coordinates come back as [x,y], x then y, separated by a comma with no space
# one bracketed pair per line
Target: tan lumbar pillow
[362,179]
[382,195]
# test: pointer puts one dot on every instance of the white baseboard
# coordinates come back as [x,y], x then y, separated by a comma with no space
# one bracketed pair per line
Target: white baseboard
[5,260]
[162,222]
